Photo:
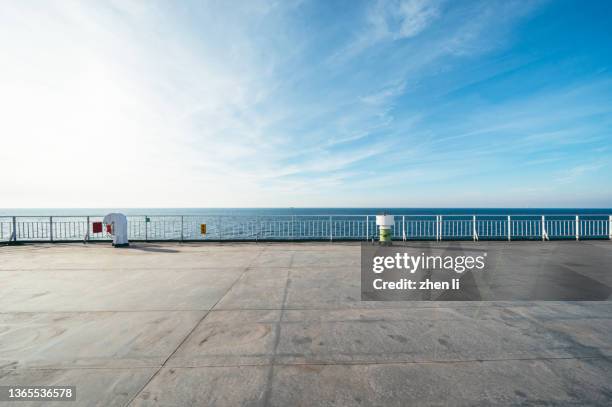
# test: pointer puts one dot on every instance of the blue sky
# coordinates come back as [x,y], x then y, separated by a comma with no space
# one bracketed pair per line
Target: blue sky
[407,103]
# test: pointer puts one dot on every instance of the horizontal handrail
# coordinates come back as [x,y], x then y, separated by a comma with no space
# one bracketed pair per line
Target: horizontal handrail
[317,215]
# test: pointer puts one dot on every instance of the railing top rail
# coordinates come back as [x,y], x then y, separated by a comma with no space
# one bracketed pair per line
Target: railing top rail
[317,215]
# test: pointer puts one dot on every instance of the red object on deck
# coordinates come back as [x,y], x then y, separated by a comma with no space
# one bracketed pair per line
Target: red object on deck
[96,227]
[109,229]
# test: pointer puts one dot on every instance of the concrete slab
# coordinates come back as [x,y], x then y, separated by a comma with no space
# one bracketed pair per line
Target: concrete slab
[274,258]
[94,387]
[259,288]
[92,339]
[343,291]
[124,288]
[230,338]
[531,382]
[286,327]
[344,256]
[443,334]
[80,256]
[209,386]
[355,336]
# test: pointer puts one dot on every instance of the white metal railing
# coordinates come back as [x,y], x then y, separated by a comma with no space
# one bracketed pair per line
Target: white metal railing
[312,227]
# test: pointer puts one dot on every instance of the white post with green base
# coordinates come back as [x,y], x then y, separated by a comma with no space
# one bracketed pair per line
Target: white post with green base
[384,223]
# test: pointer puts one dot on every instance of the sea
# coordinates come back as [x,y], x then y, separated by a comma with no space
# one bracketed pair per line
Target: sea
[301,211]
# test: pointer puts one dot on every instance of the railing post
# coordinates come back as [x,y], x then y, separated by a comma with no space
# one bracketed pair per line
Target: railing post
[610,227]
[509,229]
[257,228]
[438,227]
[331,230]
[474,227]
[14,237]
[146,228]
[543,228]
[577,228]
[51,228]
[87,234]
[182,222]
[367,237]
[404,228]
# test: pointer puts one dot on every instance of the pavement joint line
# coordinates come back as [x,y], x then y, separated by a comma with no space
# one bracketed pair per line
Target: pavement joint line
[277,330]
[380,307]
[177,269]
[192,331]
[102,311]
[409,362]
[307,267]
[17,369]
[316,363]
[324,358]
[435,343]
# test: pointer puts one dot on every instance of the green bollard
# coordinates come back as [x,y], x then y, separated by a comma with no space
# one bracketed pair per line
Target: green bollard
[385,236]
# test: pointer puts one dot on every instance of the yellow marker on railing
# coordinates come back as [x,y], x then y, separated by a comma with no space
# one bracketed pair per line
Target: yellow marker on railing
[203,228]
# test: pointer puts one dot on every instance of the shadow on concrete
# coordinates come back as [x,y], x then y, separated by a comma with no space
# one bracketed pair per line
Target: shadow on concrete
[152,249]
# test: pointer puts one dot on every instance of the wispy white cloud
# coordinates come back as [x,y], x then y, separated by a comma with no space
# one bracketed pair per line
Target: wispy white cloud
[402,18]
[569,175]
[115,97]
[246,103]
[389,21]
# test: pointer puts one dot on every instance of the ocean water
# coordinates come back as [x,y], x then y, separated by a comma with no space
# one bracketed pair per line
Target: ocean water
[300,211]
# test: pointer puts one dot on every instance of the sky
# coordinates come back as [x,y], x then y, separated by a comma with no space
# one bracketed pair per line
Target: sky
[404,103]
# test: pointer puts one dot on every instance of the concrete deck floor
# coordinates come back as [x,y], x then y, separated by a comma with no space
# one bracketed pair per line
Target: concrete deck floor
[281,325]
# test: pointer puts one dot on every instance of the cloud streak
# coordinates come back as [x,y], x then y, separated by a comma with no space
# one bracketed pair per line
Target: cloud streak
[261,103]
